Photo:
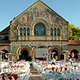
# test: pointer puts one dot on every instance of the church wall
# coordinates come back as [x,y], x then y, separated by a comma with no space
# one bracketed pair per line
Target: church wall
[38,13]
[16,47]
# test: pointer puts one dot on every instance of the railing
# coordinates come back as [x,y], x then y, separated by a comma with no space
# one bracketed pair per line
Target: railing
[50,38]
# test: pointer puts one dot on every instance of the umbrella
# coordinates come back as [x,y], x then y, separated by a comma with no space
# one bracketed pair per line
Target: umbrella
[64,51]
[53,53]
[8,53]
[2,52]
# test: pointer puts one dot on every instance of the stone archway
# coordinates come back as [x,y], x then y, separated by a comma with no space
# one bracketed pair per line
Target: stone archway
[55,49]
[23,53]
[74,53]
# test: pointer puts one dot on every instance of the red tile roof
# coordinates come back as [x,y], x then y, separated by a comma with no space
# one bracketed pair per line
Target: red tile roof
[5,31]
[74,42]
[5,43]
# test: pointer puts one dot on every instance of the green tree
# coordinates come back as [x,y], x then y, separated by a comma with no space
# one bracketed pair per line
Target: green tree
[70,33]
[74,32]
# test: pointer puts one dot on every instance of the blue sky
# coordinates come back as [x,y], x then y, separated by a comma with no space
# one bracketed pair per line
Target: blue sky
[68,9]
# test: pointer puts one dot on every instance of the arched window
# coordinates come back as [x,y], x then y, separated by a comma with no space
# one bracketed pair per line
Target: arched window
[54,31]
[51,31]
[28,31]
[24,31]
[40,29]
[58,32]
[20,31]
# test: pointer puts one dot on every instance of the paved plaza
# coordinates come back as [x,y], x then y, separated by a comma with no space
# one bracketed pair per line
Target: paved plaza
[35,75]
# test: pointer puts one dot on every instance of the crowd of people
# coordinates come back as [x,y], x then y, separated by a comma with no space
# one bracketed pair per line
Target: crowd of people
[58,70]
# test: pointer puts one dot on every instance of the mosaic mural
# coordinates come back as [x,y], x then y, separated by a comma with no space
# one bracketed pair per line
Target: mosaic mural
[36,12]
[30,16]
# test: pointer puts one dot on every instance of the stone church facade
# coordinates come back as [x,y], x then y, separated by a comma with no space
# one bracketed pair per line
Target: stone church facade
[37,33]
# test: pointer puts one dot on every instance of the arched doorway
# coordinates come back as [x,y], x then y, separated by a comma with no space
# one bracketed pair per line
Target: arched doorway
[25,55]
[74,53]
[54,54]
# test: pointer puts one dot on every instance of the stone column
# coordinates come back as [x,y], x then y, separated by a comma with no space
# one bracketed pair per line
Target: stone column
[30,32]
[33,53]
[48,32]
[17,56]
[49,54]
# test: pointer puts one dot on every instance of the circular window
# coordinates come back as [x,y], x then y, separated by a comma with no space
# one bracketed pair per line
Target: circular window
[40,29]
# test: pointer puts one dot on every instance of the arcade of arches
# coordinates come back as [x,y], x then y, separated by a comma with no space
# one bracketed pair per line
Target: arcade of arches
[30,47]
[26,54]
[42,33]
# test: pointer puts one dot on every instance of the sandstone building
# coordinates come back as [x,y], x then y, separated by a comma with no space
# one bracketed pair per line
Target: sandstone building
[37,33]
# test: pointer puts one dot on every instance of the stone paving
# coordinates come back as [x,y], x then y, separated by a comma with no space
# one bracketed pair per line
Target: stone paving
[35,75]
